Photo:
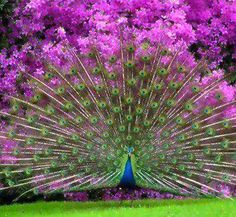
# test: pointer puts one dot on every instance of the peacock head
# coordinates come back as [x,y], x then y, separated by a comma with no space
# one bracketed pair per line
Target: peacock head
[130,151]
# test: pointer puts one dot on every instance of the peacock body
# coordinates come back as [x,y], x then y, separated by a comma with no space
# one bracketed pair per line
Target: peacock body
[143,117]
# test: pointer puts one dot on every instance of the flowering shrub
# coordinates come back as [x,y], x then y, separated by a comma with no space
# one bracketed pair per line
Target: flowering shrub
[38,27]
[214,23]
[137,194]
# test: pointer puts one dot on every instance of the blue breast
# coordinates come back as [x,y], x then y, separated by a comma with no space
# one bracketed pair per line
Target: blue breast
[127,179]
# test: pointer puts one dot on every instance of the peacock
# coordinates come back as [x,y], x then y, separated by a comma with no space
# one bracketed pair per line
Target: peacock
[144,116]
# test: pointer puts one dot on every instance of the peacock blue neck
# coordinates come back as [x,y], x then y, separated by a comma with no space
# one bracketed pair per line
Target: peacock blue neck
[128,179]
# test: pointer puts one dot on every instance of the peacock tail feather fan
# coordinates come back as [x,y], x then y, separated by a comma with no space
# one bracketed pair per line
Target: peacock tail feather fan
[143,117]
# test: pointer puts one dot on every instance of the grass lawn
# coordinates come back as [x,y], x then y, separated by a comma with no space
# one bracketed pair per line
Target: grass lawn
[149,208]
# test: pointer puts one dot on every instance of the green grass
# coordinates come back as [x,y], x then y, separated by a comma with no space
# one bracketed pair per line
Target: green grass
[149,208]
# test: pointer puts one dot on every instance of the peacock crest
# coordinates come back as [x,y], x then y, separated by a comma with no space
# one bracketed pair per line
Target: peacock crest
[144,108]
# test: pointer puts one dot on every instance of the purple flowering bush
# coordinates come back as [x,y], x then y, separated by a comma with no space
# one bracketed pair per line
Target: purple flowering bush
[137,194]
[39,27]
[214,24]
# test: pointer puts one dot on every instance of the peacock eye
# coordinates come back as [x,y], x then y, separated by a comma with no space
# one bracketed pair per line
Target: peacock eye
[129,100]
[112,59]
[142,74]
[115,92]
[130,49]
[118,140]
[129,138]
[164,52]
[96,70]
[129,118]
[122,128]
[144,92]
[129,64]
[116,109]
[146,59]
[154,105]
[91,54]
[112,76]
[163,72]
[132,82]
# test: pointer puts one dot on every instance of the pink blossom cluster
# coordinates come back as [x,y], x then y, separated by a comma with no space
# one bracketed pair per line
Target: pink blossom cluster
[214,24]
[40,27]
[137,194]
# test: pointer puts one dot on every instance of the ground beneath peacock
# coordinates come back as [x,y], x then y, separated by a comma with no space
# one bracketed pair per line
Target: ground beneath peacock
[164,208]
